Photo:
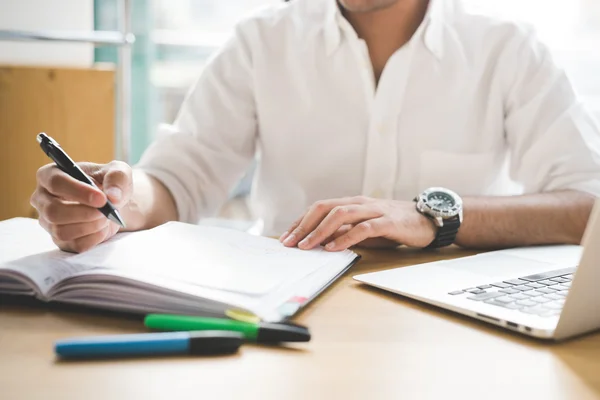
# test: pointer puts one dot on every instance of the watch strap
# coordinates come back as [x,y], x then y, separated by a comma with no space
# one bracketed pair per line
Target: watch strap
[446,235]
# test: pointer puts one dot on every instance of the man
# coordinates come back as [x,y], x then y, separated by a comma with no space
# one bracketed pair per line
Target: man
[357,109]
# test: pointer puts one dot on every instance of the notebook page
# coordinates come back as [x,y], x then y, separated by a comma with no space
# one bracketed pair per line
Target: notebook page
[210,257]
[27,250]
[22,237]
[28,253]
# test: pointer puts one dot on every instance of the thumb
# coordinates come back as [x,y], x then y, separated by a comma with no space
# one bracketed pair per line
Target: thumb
[117,182]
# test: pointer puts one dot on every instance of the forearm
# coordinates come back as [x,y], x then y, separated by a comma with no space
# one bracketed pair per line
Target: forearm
[151,204]
[537,219]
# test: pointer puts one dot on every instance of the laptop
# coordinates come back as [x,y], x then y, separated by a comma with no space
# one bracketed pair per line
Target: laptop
[548,292]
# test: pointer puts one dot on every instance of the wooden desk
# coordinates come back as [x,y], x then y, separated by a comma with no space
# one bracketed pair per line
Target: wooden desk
[367,345]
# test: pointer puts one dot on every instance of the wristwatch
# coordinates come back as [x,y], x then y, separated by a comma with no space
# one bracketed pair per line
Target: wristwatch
[444,208]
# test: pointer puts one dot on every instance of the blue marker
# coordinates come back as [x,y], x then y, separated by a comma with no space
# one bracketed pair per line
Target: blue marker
[147,344]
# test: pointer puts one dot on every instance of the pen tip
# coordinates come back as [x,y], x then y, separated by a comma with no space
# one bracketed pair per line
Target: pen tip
[116,218]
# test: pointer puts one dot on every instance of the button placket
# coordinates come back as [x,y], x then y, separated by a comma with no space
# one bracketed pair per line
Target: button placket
[382,144]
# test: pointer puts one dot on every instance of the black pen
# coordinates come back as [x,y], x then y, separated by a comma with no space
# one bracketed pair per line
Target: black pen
[66,164]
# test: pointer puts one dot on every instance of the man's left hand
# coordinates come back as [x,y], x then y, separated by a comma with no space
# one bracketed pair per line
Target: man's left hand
[341,223]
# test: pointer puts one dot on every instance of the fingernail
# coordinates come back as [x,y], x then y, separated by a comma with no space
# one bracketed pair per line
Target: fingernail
[289,239]
[282,237]
[114,193]
[330,245]
[305,241]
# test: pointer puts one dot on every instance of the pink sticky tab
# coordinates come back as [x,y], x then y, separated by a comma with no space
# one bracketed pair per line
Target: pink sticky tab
[297,299]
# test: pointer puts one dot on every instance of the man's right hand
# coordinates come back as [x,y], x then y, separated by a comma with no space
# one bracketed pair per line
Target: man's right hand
[68,208]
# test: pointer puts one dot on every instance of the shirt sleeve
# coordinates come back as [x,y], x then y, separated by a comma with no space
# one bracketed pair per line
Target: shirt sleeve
[554,142]
[207,149]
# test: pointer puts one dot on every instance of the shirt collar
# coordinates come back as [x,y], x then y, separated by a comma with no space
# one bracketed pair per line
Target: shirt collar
[431,30]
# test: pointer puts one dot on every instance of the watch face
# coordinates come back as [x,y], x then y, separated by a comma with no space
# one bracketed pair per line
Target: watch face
[440,201]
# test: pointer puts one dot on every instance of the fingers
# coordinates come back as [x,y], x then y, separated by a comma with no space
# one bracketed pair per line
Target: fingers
[367,229]
[60,184]
[344,229]
[286,234]
[115,177]
[314,216]
[79,237]
[60,212]
[86,242]
[338,217]
[70,232]
[68,208]
[117,182]
[112,230]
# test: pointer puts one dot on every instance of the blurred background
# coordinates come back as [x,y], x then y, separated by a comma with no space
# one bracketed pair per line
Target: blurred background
[174,39]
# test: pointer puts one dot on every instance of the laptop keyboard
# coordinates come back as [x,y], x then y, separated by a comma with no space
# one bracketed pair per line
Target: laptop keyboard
[540,294]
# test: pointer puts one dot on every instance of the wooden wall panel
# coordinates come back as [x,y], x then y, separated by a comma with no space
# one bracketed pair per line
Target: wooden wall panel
[74,106]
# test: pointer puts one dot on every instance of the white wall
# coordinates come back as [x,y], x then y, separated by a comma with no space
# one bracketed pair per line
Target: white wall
[46,15]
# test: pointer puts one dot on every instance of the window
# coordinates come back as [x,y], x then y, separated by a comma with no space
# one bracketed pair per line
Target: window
[186,33]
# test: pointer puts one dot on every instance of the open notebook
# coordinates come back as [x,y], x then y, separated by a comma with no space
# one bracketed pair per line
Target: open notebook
[174,268]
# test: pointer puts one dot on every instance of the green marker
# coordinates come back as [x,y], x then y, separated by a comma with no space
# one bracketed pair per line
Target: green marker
[259,332]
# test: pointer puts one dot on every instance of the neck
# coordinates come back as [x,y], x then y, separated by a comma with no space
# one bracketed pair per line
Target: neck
[387,29]
[395,23]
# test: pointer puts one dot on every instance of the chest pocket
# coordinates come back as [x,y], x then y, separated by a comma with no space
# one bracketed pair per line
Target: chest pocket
[468,174]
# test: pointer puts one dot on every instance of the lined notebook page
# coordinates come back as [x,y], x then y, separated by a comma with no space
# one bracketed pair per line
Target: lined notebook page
[211,257]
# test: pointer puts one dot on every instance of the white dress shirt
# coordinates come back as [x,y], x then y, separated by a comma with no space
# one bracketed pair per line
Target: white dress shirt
[471,103]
